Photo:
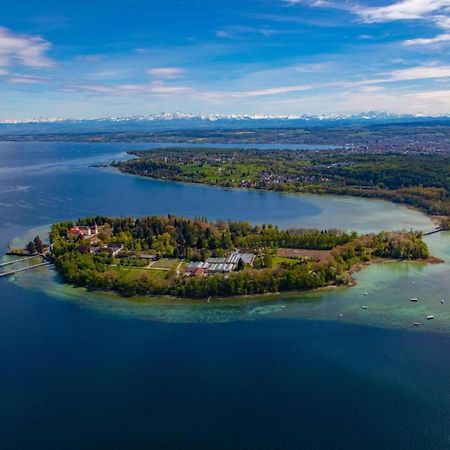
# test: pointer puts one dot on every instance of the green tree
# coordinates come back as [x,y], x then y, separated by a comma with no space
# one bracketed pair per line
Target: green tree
[31,247]
[39,245]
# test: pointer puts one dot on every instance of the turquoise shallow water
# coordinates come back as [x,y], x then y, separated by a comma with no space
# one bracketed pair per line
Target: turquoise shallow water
[90,370]
[385,288]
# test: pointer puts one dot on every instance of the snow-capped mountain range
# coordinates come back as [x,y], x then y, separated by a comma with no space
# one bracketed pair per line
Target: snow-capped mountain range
[176,116]
[180,120]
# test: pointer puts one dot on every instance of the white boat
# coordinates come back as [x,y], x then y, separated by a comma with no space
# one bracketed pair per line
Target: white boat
[416,324]
[414,299]
[364,307]
[430,317]
[341,315]
[366,293]
[442,301]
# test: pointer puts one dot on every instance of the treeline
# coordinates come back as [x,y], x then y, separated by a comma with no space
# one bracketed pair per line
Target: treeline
[183,238]
[389,171]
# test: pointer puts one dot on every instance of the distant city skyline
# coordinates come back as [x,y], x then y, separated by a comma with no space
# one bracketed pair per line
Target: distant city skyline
[267,57]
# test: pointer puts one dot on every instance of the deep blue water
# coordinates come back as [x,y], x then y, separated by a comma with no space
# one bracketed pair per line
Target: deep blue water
[72,377]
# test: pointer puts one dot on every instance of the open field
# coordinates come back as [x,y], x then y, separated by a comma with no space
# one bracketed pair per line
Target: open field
[136,273]
[298,253]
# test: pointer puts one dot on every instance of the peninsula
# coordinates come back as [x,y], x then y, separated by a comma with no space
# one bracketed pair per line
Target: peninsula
[195,258]
[411,177]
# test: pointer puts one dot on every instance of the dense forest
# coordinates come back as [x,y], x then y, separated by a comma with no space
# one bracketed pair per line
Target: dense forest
[420,180]
[82,262]
[176,237]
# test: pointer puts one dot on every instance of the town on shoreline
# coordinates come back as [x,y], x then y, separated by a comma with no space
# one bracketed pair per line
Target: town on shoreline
[418,180]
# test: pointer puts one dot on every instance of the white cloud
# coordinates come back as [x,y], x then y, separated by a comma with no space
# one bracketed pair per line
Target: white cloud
[402,10]
[365,37]
[272,91]
[223,34]
[438,100]
[420,73]
[25,79]
[399,75]
[436,11]
[144,89]
[440,95]
[443,21]
[439,39]
[237,31]
[23,50]
[166,72]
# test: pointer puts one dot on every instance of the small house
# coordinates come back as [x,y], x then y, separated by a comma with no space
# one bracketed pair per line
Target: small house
[114,249]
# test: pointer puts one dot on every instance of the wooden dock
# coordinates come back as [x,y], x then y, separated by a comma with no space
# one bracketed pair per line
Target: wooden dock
[436,230]
[23,269]
[25,258]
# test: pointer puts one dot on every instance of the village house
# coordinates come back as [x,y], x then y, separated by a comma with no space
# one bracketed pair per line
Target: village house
[114,249]
[82,231]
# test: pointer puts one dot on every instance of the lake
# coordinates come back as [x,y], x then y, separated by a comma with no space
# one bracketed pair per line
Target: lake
[92,370]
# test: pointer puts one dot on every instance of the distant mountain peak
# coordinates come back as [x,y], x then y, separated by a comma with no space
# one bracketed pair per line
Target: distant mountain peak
[182,116]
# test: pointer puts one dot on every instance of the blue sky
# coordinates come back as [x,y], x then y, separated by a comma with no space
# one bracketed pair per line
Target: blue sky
[65,58]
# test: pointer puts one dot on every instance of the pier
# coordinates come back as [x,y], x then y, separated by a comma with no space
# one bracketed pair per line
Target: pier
[436,230]
[23,269]
[26,258]
[45,262]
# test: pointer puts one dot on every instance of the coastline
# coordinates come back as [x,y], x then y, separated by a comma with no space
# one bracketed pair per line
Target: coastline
[436,219]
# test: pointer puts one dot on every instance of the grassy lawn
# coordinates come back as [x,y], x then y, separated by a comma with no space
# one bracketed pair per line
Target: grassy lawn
[131,273]
[166,263]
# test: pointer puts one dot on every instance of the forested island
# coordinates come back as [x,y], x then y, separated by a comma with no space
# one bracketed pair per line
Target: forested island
[196,258]
[418,179]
